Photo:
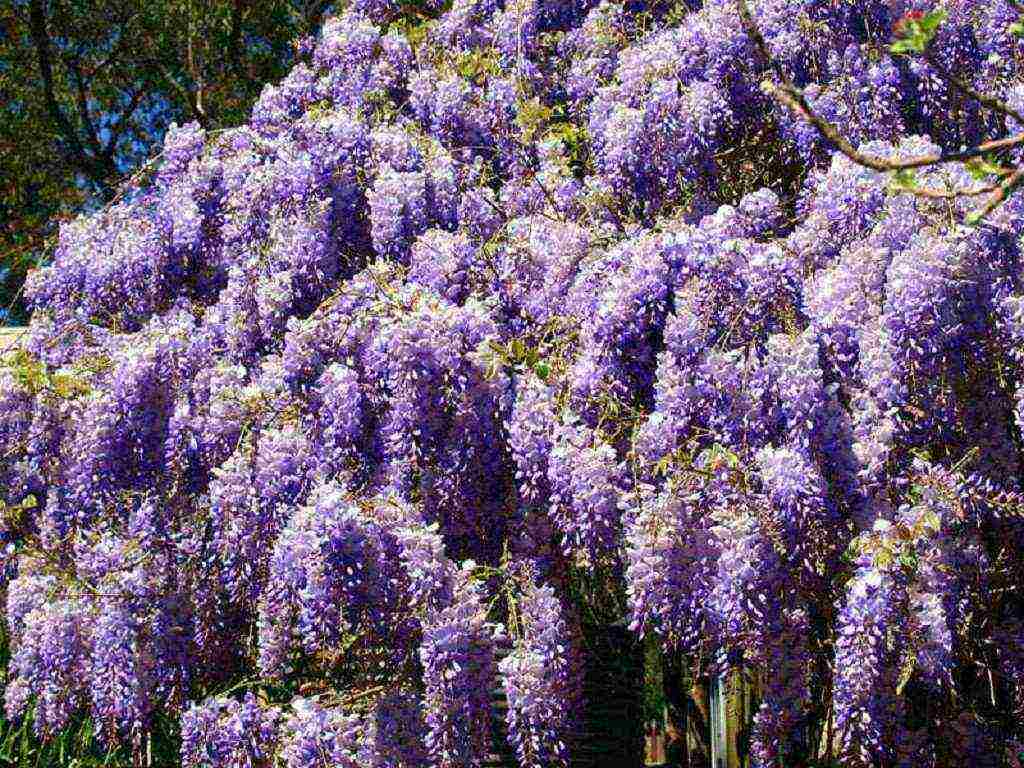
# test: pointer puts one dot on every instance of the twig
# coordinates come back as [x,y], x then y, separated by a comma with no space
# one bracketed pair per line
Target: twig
[999,196]
[793,97]
[989,101]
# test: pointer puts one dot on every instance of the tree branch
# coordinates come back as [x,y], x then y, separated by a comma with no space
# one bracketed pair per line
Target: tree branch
[122,123]
[1007,188]
[186,94]
[235,37]
[794,98]
[788,93]
[991,102]
[315,16]
[953,194]
[83,105]
[122,38]
[196,97]
[90,166]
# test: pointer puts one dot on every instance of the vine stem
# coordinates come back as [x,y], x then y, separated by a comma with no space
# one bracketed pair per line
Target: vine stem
[786,91]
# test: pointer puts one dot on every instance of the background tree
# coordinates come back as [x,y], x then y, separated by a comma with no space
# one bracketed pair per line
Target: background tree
[88,88]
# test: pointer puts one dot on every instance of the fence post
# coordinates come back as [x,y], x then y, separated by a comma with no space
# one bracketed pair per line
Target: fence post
[730,711]
[719,727]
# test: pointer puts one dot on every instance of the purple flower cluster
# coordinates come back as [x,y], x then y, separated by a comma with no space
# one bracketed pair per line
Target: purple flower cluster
[586,480]
[457,653]
[671,553]
[229,733]
[542,678]
[332,575]
[869,647]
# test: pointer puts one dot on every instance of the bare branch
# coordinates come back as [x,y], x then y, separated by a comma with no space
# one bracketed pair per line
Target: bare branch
[122,123]
[93,167]
[792,96]
[953,194]
[189,97]
[315,15]
[235,37]
[83,104]
[787,92]
[1007,188]
[989,101]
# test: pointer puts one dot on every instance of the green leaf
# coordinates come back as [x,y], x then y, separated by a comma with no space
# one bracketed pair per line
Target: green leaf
[916,34]
[976,171]
[980,168]
[905,674]
[931,21]
[907,45]
[974,168]
[974,218]
[904,180]
[531,117]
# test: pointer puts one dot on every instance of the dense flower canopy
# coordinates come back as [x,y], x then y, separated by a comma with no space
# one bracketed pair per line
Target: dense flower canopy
[527,295]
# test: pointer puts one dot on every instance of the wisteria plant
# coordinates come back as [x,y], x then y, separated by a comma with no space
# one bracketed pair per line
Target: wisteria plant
[505,319]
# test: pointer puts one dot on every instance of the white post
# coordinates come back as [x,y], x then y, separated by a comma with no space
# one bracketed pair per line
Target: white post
[719,726]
